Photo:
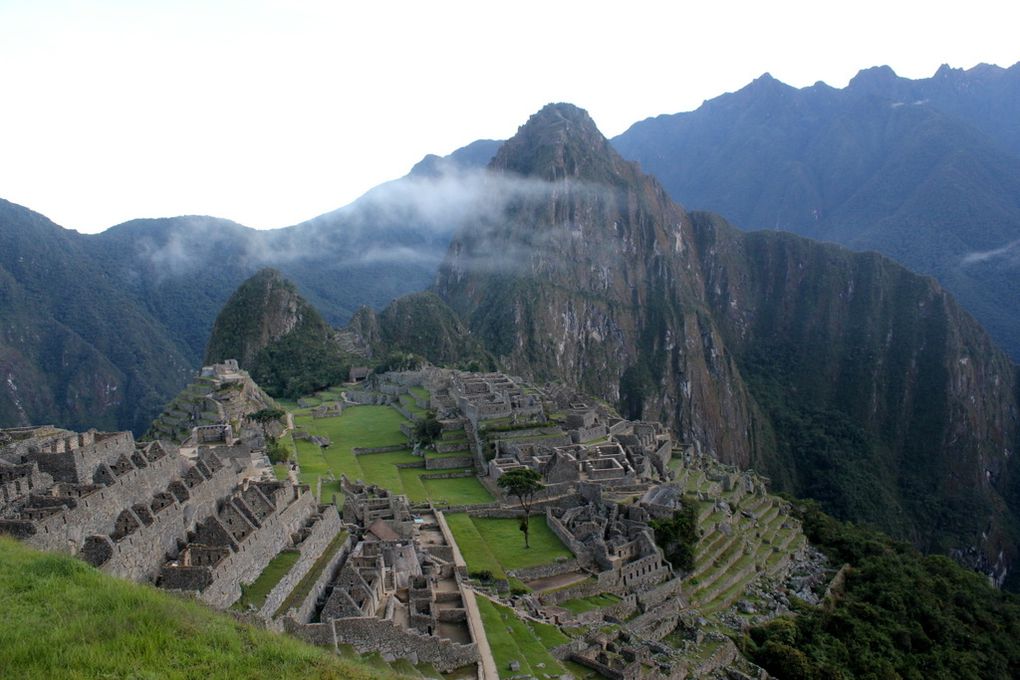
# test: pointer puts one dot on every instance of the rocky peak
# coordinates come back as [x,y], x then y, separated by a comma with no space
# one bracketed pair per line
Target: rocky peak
[874,78]
[262,310]
[559,142]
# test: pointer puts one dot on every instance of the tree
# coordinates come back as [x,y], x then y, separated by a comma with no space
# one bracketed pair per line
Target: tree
[677,536]
[524,483]
[427,430]
[266,415]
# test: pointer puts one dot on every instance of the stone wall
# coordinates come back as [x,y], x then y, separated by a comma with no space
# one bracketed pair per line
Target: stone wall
[253,553]
[364,398]
[658,622]
[403,411]
[583,554]
[671,589]
[320,536]
[587,434]
[96,513]
[585,588]
[17,480]
[319,634]
[443,446]
[78,463]
[359,451]
[307,611]
[546,570]
[369,634]
[139,555]
[448,475]
[432,463]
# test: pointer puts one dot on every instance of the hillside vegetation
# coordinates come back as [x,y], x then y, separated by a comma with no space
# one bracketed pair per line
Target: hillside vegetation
[897,614]
[62,618]
[278,337]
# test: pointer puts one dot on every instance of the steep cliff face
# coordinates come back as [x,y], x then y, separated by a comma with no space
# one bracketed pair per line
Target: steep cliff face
[278,337]
[885,399]
[422,324]
[925,171]
[586,275]
[843,375]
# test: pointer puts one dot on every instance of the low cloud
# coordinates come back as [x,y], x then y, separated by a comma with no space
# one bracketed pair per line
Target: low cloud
[407,220]
[1010,251]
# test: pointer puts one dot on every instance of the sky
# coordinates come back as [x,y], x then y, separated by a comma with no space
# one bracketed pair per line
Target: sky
[271,112]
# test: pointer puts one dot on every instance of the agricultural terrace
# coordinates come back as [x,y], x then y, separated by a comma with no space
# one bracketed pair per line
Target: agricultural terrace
[525,641]
[497,545]
[370,427]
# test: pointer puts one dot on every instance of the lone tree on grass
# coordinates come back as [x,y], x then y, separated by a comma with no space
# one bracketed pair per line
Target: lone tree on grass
[428,430]
[524,483]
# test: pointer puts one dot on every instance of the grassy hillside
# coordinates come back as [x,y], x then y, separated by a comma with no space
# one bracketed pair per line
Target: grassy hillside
[63,618]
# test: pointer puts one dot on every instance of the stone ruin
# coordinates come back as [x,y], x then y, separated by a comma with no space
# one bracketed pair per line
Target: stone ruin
[399,592]
[144,512]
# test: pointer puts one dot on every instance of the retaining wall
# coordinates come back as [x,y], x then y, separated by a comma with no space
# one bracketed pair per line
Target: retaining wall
[321,535]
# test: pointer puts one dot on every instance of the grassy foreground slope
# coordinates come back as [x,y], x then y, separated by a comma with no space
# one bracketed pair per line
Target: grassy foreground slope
[64,619]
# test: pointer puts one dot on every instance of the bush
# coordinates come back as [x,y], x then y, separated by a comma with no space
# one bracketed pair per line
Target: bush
[277,452]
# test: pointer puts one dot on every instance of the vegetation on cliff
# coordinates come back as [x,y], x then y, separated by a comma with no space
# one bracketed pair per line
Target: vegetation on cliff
[895,614]
[277,337]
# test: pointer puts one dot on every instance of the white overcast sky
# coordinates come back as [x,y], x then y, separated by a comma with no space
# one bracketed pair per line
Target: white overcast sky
[269,113]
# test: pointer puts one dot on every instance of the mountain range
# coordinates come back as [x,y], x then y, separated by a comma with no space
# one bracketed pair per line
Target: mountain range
[925,171]
[841,375]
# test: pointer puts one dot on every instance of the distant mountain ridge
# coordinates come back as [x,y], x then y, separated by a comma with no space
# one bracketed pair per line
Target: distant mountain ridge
[925,171]
[103,330]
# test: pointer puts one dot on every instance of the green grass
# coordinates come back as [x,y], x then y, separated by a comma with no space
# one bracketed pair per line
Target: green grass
[497,545]
[419,392]
[407,401]
[255,594]
[65,619]
[369,427]
[280,471]
[586,604]
[304,586]
[513,639]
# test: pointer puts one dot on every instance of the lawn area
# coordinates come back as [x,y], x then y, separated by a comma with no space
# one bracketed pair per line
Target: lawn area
[407,401]
[513,639]
[256,593]
[280,471]
[587,604]
[419,392]
[496,545]
[368,427]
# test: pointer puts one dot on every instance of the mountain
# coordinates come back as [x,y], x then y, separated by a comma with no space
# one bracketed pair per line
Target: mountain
[103,330]
[421,324]
[841,375]
[75,348]
[277,337]
[924,171]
